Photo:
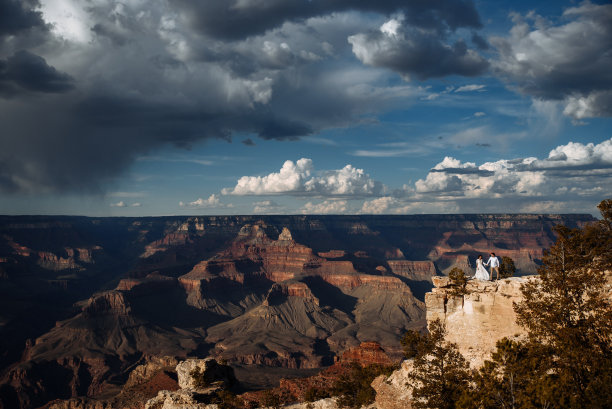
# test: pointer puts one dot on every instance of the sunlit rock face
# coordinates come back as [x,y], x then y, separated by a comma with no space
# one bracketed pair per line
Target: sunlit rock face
[476,320]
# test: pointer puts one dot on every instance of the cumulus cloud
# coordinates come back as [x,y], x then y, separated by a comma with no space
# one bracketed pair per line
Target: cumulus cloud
[243,18]
[392,205]
[576,168]
[568,61]
[16,16]
[574,177]
[27,72]
[213,201]
[416,51]
[213,70]
[298,178]
[121,203]
[595,104]
[267,207]
[325,207]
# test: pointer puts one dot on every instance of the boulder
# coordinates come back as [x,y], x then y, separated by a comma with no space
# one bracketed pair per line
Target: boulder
[391,391]
[212,372]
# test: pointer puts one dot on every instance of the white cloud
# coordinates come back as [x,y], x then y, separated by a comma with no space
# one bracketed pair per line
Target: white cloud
[267,207]
[325,207]
[568,62]
[479,114]
[415,51]
[136,204]
[213,201]
[596,104]
[68,19]
[392,205]
[119,204]
[296,178]
[471,87]
[564,171]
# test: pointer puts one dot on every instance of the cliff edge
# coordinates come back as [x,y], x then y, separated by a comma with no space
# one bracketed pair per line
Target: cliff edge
[476,320]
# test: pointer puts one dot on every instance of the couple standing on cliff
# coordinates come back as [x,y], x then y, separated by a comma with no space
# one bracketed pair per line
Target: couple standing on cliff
[481,271]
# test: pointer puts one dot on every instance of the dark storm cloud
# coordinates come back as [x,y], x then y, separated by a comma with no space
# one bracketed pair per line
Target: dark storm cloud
[480,42]
[423,49]
[25,71]
[569,61]
[418,53]
[16,16]
[141,79]
[238,19]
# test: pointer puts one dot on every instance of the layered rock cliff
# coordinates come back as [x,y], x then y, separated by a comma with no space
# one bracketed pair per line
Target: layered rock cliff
[477,320]
[181,284]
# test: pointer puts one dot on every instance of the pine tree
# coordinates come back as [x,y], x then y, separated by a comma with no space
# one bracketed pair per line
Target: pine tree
[512,379]
[458,281]
[506,267]
[440,372]
[568,311]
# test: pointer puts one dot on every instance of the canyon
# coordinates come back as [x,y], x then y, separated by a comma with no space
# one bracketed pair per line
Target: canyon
[85,301]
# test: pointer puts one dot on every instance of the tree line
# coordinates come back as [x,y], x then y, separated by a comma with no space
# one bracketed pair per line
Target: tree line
[565,360]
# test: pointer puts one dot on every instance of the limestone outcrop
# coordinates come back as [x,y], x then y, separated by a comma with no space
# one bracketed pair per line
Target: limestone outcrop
[199,380]
[476,320]
[391,391]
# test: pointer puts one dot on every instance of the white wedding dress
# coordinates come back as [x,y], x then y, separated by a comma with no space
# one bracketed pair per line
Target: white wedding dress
[481,272]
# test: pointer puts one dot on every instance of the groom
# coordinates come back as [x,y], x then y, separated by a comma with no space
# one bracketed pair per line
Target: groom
[494,261]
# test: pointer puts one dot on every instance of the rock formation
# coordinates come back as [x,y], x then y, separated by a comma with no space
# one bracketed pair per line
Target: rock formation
[392,392]
[196,390]
[367,353]
[476,320]
[186,285]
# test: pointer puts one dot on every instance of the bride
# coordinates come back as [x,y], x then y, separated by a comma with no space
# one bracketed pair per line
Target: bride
[481,272]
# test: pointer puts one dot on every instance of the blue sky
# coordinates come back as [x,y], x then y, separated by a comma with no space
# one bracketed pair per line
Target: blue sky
[249,106]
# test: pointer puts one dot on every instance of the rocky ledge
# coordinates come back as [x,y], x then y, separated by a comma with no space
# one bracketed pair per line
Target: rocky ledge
[477,319]
[196,392]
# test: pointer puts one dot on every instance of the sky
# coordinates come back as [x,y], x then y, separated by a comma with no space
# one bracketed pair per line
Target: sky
[176,107]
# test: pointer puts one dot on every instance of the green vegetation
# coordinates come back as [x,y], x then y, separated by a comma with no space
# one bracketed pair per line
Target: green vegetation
[506,267]
[440,375]
[565,360]
[458,281]
[568,313]
[354,389]
[413,342]
[227,400]
[513,378]
[313,394]
[276,400]
[200,379]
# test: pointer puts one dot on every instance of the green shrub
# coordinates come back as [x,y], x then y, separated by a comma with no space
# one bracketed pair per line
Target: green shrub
[313,394]
[354,389]
[412,343]
[458,281]
[200,379]
[506,267]
[227,400]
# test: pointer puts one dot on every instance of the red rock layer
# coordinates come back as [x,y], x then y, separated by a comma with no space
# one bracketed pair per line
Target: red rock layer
[367,353]
[413,270]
